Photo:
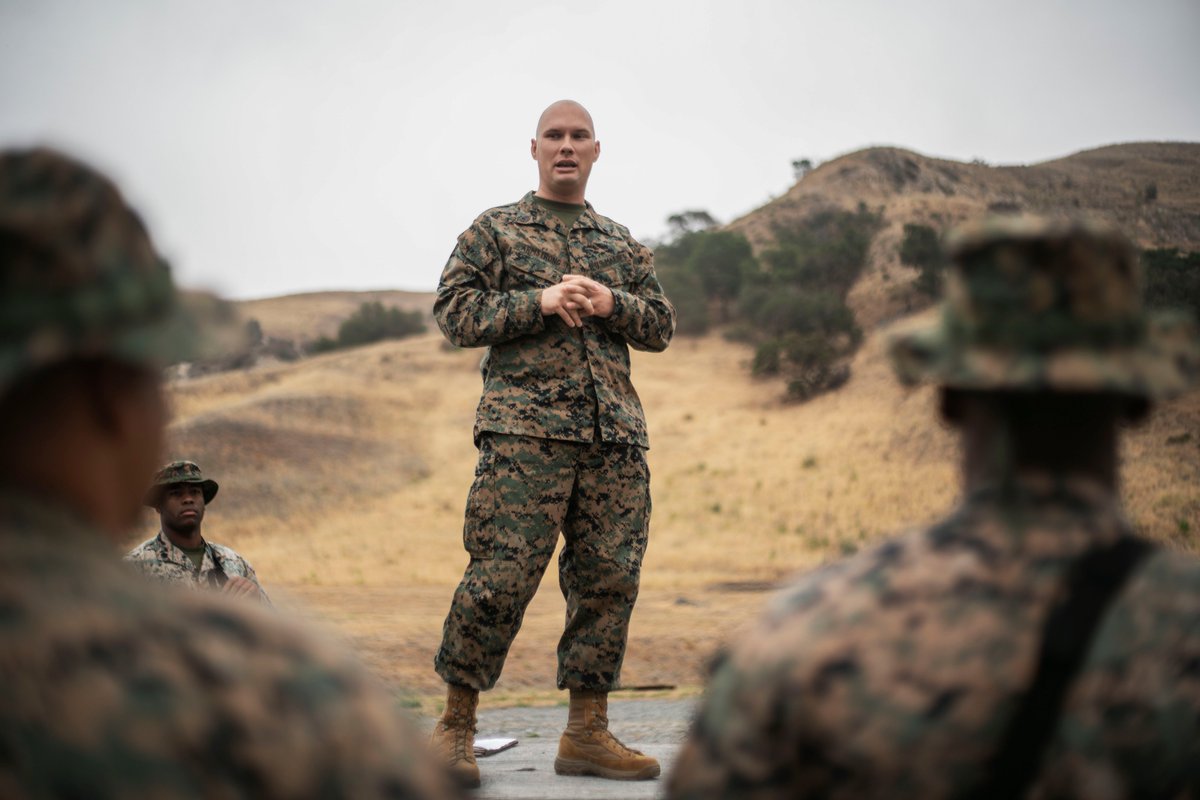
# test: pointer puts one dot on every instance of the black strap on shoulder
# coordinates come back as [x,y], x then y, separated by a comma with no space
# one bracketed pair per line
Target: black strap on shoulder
[1092,583]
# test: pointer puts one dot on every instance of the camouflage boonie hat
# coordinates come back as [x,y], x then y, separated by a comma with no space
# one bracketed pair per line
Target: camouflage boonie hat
[1042,305]
[79,276]
[180,472]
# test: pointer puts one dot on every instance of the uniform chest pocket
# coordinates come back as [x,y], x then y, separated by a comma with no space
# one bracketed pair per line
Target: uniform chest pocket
[616,269]
[528,267]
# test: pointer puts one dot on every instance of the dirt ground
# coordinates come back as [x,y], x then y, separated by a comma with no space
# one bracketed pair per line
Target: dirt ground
[344,477]
[396,631]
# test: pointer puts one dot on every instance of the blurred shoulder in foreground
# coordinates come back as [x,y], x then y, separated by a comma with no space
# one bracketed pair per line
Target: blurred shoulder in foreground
[1028,644]
[109,685]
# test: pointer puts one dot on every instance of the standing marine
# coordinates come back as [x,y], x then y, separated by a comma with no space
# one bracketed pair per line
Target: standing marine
[1028,645]
[558,294]
[112,686]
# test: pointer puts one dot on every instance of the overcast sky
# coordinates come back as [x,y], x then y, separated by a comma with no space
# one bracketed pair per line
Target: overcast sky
[304,145]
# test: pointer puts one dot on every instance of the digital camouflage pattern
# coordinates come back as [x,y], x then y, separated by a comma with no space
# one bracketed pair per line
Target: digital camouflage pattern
[112,687]
[81,278]
[526,489]
[162,560]
[540,377]
[180,472]
[561,434]
[1036,304]
[894,674]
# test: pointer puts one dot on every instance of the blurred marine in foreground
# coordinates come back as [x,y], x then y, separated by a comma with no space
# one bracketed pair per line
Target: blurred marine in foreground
[1028,642]
[109,685]
[180,554]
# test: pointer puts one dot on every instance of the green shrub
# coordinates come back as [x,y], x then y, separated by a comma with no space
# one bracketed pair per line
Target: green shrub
[322,345]
[372,322]
[808,350]
[922,249]
[767,358]
[1172,280]
[686,293]
[702,272]
[789,303]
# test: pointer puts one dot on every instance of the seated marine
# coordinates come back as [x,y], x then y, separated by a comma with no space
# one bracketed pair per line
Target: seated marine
[179,553]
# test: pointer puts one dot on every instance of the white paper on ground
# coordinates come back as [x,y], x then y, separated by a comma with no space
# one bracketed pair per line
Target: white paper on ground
[489,747]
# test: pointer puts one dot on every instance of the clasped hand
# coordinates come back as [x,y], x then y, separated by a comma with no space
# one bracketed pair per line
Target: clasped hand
[576,297]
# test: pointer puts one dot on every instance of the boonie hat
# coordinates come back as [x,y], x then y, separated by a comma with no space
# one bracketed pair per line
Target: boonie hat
[180,472]
[79,276]
[1034,304]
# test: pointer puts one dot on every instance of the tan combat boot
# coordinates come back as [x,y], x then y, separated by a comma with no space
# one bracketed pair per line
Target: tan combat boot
[587,748]
[453,738]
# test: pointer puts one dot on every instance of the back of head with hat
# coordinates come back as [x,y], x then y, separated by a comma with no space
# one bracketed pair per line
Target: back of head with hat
[1027,639]
[1048,305]
[79,276]
[197,697]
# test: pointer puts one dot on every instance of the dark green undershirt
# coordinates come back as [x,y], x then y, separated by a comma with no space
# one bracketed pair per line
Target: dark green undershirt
[568,213]
[196,555]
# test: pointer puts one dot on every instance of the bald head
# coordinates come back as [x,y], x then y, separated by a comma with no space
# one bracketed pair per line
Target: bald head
[563,105]
[565,147]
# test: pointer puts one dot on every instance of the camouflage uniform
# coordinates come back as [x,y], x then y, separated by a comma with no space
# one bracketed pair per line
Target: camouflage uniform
[896,673]
[110,686]
[161,559]
[561,436]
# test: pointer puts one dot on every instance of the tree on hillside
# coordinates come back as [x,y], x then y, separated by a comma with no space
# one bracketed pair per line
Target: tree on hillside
[801,167]
[922,249]
[687,295]
[691,221]
[254,332]
[827,250]
[789,303]
[794,308]
[720,259]
[1172,280]
[372,322]
[702,269]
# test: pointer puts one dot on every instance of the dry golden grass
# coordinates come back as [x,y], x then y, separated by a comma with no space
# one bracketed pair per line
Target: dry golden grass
[344,479]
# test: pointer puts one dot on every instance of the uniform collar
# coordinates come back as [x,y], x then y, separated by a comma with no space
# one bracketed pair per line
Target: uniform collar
[530,213]
[169,551]
[1046,513]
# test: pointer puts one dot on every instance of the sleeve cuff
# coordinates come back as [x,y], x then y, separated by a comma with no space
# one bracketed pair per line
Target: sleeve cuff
[624,307]
[527,310]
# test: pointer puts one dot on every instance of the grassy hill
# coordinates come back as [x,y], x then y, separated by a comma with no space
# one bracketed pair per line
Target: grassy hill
[301,317]
[1150,189]
[343,479]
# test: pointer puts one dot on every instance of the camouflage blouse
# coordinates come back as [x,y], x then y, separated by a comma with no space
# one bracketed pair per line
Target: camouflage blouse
[161,559]
[114,687]
[540,377]
[894,674]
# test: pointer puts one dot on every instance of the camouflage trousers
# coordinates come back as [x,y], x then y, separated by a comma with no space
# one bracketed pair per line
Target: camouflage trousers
[526,490]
